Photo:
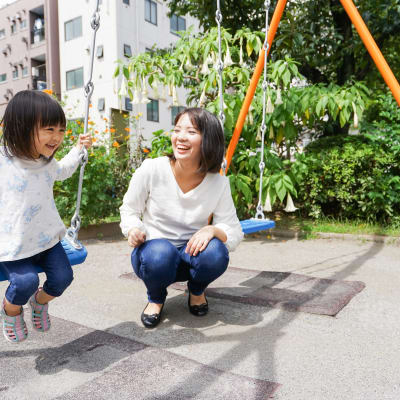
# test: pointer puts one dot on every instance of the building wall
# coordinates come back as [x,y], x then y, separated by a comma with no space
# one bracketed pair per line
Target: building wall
[119,24]
[23,52]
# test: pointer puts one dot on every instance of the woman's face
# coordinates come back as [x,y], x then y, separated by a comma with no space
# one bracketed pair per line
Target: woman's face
[47,140]
[186,141]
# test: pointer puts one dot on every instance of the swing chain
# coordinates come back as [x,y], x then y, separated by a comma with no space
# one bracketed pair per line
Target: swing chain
[72,231]
[260,213]
[220,69]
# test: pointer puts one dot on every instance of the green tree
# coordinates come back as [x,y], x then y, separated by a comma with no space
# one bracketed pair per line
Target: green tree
[316,33]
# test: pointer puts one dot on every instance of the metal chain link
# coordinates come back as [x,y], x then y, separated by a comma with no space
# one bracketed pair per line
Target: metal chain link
[72,232]
[220,69]
[259,212]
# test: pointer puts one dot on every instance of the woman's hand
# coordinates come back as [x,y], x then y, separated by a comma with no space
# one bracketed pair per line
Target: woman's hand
[199,241]
[136,237]
[84,140]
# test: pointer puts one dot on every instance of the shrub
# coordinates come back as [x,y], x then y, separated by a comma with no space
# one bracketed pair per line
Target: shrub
[354,177]
[106,179]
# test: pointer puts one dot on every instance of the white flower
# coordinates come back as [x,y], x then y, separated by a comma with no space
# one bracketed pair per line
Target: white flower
[270,106]
[289,204]
[267,205]
[136,99]
[175,100]
[123,90]
[228,59]
[205,70]
[202,99]
[278,97]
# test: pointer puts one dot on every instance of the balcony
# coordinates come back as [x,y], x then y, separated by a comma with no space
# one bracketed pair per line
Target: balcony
[37,36]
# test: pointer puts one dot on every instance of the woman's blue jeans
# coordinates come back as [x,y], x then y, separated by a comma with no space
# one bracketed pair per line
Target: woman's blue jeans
[24,279]
[159,264]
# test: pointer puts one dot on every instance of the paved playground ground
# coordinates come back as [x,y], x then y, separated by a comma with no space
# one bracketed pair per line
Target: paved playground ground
[98,349]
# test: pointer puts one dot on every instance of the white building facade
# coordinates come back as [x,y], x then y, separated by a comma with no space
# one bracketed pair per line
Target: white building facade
[127,27]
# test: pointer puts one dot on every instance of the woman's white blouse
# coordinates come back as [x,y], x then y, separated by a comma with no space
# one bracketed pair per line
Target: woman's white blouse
[155,204]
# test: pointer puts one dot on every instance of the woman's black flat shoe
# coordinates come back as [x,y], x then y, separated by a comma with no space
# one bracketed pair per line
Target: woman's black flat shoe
[151,320]
[198,310]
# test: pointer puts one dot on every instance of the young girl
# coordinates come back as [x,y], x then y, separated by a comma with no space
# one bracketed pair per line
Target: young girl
[166,215]
[30,226]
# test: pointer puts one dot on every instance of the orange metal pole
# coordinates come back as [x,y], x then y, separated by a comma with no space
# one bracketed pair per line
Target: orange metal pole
[373,48]
[253,82]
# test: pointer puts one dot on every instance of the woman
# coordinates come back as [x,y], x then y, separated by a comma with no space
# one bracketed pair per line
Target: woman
[167,210]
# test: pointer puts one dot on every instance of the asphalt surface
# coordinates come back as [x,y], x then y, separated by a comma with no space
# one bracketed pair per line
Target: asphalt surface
[98,349]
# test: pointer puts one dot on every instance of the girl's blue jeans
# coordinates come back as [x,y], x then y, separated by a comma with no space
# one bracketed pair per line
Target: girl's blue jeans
[24,279]
[159,264]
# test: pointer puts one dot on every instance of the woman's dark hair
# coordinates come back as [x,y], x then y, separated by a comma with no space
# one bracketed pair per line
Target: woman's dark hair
[28,111]
[213,141]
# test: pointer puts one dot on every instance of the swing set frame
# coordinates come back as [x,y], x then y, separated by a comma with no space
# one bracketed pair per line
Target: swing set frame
[367,39]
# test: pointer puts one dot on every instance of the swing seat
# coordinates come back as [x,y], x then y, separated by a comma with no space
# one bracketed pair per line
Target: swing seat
[253,225]
[75,256]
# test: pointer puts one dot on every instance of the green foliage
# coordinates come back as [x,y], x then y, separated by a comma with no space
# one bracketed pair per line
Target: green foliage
[106,179]
[191,64]
[353,177]
[317,33]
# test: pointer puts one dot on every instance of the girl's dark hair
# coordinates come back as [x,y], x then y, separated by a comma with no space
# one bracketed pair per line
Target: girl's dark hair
[213,141]
[28,111]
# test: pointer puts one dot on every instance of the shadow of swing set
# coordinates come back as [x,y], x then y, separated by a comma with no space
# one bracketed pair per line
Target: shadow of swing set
[77,253]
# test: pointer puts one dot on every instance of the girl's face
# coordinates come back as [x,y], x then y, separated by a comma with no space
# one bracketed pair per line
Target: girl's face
[47,140]
[186,141]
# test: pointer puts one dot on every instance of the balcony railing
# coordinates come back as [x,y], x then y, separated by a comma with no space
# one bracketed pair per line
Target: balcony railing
[37,36]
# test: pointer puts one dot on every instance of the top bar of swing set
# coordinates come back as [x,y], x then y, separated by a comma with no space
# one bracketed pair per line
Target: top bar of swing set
[366,37]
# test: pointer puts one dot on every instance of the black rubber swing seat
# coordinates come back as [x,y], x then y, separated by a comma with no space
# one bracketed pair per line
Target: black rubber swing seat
[75,256]
[253,225]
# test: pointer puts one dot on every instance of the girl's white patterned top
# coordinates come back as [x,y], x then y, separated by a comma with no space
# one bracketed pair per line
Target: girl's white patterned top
[155,204]
[29,220]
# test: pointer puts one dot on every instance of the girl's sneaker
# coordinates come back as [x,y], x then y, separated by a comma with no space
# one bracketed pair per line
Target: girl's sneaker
[14,328]
[40,314]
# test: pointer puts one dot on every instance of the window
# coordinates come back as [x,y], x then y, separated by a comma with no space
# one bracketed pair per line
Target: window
[152,111]
[23,24]
[177,24]
[100,51]
[174,112]
[3,77]
[150,11]
[126,2]
[75,79]
[13,27]
[101,104]
[127,50]
[128,104]
[15,73]
[73,28]
[25,71]
[2,33]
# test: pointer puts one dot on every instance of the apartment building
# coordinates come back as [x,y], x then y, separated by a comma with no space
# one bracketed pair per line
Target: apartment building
[127,27]
[29,48]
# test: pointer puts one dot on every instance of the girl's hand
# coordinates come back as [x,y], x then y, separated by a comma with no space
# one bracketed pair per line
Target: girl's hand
[136,237]
[199,241]
[84,140]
